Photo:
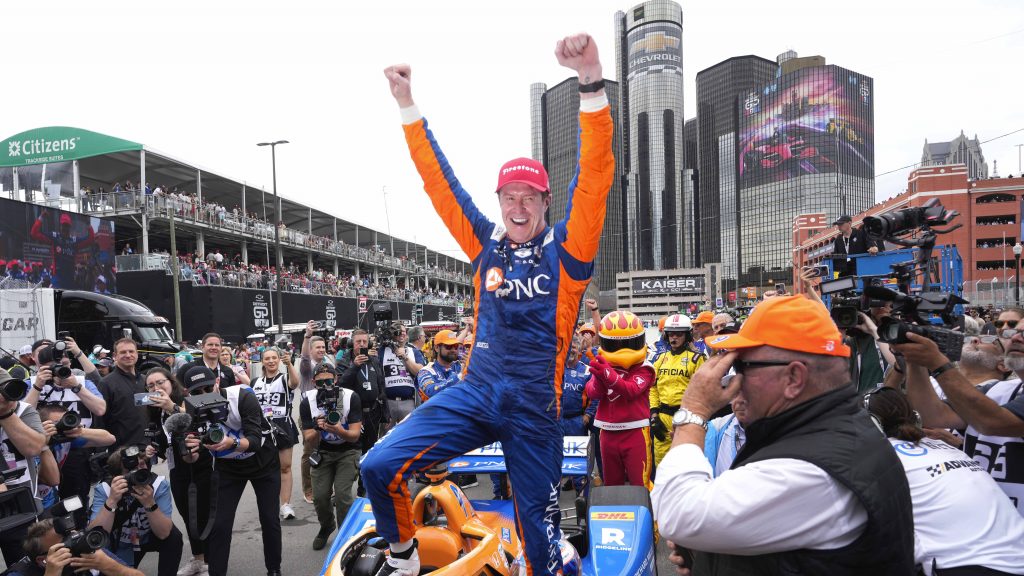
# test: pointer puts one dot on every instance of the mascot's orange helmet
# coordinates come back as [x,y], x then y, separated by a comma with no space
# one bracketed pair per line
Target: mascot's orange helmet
[623,341]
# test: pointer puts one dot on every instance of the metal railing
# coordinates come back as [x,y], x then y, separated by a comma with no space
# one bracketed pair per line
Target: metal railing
[188,210]
[205,276]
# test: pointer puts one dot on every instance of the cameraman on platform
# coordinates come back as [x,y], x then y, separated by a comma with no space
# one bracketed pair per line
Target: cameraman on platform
[331,419]
[400,371]
[134,507]
[246,454]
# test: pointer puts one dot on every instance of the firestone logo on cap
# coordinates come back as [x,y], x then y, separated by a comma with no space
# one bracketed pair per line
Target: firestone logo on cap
[519,167]
[719,339]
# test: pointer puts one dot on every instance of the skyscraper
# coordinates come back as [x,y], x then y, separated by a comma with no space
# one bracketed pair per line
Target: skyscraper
[554,120]
[805,145]
[649,67]
[719,90]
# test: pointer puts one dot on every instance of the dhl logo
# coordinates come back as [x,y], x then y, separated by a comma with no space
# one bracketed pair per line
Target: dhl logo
[654,42]
[612,516]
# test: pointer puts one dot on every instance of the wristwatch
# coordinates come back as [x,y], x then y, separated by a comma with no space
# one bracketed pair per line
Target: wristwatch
[684,416]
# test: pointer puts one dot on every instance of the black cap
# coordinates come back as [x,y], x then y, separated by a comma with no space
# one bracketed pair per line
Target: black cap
[842,220]
[325,368]
[199,377]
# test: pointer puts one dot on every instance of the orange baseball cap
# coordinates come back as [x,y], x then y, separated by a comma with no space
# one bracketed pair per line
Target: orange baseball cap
[446,338]
[587,327]
[706,316]
[787,322]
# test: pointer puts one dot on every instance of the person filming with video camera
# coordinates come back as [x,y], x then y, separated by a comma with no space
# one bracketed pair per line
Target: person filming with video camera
[229,424]
[134,506]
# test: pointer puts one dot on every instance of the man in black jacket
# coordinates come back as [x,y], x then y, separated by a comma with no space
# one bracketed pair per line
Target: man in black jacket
[814,467]
[211,360]
[363,374]
[851,242]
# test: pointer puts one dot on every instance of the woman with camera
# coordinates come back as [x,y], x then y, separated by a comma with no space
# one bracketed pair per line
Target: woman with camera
[275,390]
[244,452]
[964,523]
[167,396]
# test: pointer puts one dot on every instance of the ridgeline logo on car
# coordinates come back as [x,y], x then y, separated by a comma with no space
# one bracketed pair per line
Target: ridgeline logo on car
[17,148]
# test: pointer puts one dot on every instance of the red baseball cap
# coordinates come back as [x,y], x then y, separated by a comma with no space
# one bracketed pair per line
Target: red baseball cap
[790,323]
[65,219]
[526,171]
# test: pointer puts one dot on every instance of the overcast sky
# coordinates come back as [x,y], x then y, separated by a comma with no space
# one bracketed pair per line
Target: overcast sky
[205,81]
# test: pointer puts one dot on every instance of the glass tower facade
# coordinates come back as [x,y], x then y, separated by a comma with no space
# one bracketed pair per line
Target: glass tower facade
[805,145]
[719,89]
[554,118]
[649,67]
[690,183]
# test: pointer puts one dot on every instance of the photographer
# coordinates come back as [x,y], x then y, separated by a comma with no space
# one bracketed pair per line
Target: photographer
[331,419]
[134,506]
[992,414]
[187,471]
[364,376]
[66,435]
[46,555]
[21,440]
[314,354]
[398,360]
[55,384]
[850,242]
[246,454]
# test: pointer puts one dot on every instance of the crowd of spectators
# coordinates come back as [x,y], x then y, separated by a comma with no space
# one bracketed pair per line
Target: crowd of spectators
[996,221]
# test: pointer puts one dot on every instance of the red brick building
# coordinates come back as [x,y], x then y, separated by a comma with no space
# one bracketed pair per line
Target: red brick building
[990,210]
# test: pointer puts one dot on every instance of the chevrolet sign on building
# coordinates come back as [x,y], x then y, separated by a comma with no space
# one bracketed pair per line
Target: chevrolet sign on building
[671,285]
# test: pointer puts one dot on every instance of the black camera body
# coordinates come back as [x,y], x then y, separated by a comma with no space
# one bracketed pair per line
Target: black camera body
[77,541]
[385,332]
[69,421]
[134,475]
[209,412]
[907,318]
[327,401]
[844,312]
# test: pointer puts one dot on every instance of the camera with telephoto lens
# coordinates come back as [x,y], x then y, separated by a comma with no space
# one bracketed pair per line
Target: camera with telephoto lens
[69,421]
[132,473]
[49,357]
[13,389]
[77,541]
[907,318]
[209,412]
[899,222]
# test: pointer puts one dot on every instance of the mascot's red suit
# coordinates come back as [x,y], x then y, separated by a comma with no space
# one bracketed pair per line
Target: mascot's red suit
[621,381]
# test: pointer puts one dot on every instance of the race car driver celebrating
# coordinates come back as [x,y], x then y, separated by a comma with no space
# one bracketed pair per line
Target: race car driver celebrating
[529,280]
[622,381]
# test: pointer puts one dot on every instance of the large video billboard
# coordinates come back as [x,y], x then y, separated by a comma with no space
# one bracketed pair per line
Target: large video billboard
[55,248]
[815,120]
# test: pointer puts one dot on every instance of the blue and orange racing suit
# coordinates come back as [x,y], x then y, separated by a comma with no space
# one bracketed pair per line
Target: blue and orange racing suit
[528,297]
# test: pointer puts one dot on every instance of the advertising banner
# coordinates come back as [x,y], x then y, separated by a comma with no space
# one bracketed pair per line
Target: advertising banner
[56,249]
[669,285]
[815,120]
[58,144]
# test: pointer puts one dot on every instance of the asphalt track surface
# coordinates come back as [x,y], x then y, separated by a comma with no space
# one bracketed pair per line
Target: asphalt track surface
[298,556]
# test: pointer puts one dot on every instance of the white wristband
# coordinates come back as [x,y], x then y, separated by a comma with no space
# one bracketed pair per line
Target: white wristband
[410,114]
[593,104]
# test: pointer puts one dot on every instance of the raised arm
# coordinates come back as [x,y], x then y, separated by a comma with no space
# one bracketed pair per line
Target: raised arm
[580,232]
[455,207]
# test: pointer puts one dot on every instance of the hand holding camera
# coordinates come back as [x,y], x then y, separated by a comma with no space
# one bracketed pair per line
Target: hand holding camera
[118,488]
[324,424]
[58,557]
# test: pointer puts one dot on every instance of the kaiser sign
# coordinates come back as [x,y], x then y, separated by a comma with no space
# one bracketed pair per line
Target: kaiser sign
[671,285]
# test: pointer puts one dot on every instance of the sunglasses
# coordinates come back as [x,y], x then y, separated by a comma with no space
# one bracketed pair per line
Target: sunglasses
[1007,323]
[741,366]
[867,397]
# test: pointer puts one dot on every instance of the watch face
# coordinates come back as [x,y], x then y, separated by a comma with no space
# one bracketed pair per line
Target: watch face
[680,417]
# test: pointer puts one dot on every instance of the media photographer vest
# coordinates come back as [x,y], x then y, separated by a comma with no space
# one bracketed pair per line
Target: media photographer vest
[1000,456]
[399,385]
[242,403]
[329,441]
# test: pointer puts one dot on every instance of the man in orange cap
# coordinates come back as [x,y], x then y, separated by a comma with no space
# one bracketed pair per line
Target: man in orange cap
[816,488]
[702,328]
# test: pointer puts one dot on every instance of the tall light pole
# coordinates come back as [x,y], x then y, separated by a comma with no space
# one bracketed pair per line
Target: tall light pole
[277,235]
[1017,249]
